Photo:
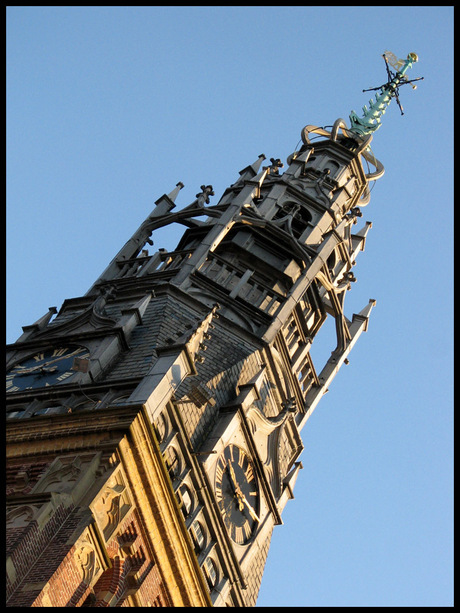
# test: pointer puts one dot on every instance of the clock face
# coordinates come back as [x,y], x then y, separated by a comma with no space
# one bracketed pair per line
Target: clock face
[237,494]
[48,367]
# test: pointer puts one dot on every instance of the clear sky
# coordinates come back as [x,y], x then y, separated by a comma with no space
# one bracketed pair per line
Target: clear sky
[109,107]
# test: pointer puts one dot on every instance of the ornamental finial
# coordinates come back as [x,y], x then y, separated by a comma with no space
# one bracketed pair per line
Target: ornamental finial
[371,120]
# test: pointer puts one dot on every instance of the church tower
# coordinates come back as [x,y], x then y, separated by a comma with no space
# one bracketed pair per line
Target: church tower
[154,424]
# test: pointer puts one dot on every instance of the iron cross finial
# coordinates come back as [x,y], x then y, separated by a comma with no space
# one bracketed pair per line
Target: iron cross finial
[203,196]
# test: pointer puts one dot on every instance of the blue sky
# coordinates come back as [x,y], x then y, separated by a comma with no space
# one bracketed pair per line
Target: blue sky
[109,107]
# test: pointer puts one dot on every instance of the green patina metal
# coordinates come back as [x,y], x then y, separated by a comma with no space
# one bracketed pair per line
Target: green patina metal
[371,120]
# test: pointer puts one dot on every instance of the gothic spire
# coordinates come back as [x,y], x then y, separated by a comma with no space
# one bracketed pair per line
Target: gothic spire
[251,171]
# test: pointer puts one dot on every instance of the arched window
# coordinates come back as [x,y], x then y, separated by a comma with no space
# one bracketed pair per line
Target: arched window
[210,572]
[173,463]
[86,405]
[161,427]
[49,408]
[198,535]
[15,412]
[185,499]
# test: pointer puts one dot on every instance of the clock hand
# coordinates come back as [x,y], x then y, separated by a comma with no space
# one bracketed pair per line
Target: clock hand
[40,366]
[42,370]
[243,499]
[62,357]
[234,485]
[232,475]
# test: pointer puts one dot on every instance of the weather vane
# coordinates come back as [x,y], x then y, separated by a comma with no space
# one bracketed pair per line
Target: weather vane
[371,120]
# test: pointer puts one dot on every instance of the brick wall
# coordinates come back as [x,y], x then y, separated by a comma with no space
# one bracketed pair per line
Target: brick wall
[38,555]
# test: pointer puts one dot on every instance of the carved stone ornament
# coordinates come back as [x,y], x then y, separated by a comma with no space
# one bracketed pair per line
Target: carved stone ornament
[61,476]
[112,504]
[86,561]
[20,516]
